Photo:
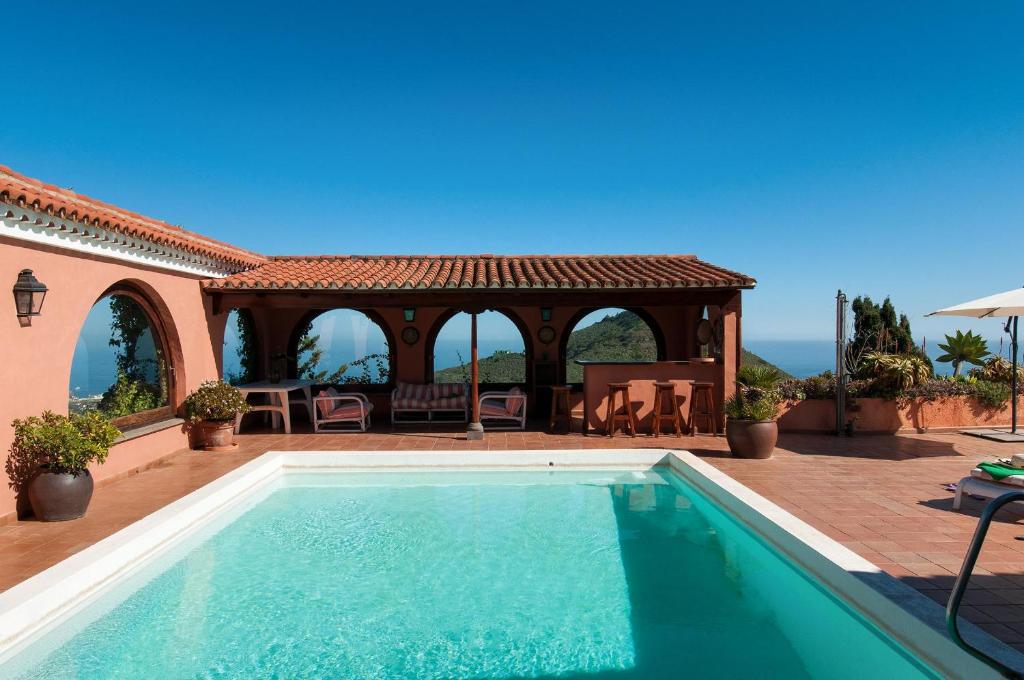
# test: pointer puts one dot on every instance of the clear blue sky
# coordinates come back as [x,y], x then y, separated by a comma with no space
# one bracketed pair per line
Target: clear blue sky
[874,147]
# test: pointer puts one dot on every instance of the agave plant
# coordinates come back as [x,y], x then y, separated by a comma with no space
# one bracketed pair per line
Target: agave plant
[963,348]
[897,372]
[999,370]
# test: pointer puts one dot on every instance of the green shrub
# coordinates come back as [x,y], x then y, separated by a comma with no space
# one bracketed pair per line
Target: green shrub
[992,394]
[821,386]
[940,387]
[127,396]
[215,401]
[997,369]
[64,443]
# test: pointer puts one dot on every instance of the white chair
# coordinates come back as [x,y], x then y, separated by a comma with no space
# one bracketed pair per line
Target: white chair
[333,408]
[506,410]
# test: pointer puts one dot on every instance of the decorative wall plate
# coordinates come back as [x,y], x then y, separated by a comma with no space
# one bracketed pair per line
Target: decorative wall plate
[718,330]
[546,334]
[704,332]
[410,335]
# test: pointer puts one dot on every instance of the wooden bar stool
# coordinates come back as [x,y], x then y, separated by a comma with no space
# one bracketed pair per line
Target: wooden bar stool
[561,411]
[665,392]
[613,417]
[702,406]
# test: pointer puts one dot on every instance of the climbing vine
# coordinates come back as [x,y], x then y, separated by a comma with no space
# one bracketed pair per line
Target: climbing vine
[141,382]
[245,328]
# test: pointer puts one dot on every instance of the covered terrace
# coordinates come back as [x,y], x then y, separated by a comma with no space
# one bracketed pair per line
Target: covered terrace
[411,298]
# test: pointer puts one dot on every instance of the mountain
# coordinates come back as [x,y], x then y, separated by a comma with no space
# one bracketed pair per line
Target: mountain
[621,336]
[500,367]
[751,359]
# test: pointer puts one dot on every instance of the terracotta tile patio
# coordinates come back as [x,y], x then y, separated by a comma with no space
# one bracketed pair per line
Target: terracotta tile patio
[884,497]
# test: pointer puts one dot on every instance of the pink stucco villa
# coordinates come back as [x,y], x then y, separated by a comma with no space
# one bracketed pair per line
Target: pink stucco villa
[84,250]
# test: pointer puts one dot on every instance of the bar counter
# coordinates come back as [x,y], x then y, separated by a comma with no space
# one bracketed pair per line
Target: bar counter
[641,376]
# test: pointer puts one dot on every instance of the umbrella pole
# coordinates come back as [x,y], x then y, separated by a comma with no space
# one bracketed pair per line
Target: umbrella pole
[1013,378]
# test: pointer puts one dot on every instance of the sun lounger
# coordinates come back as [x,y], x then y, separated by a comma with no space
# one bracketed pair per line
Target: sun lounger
[981,483]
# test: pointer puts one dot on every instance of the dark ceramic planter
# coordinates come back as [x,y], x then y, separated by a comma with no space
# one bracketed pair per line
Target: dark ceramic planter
[752,438]
[60,496]
[217,436]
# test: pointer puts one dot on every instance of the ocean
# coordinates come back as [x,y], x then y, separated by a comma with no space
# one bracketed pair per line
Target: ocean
[800,358]
[804,358]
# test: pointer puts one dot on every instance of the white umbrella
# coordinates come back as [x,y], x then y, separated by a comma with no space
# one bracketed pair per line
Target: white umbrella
[1009,304]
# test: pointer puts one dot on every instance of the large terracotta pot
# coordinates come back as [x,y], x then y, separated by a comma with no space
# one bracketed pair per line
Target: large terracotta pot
[752,438]
[216,435]
[60,496]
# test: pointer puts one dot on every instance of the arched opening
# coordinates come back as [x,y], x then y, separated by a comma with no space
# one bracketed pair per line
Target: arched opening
[501,348]
[343,347]
[610,334]
[121,366]
[240,354]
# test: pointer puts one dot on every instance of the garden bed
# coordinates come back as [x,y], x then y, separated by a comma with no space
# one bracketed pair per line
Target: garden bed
[874,415]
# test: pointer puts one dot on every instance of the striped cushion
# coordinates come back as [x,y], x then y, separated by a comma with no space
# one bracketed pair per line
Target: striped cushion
[514,404]
[409,404]
[404,390]
[350,411]
[457,403]
[325,407]
[493,409]
[412,397]
[445,390]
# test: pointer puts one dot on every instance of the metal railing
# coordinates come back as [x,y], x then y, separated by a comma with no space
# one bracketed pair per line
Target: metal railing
[964,577]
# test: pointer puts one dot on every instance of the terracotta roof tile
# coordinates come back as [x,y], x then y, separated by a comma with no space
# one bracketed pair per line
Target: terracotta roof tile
[477,272]
[24,192]
[409,272]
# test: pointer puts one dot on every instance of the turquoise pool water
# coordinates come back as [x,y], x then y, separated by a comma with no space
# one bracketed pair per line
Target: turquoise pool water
[470,575]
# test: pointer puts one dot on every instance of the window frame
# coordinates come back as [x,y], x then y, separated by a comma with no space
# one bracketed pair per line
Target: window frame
[148,417]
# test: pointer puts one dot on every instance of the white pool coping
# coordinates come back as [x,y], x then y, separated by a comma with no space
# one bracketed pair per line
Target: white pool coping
[915,621]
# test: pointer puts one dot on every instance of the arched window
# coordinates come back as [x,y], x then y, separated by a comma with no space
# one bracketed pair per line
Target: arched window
[238,361]
[342,346]
[500,348]
[609,334]
[120,366]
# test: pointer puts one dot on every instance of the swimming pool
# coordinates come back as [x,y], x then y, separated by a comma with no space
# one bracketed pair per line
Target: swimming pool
[627,571]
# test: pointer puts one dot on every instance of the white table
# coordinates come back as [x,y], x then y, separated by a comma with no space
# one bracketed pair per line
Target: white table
[277,394]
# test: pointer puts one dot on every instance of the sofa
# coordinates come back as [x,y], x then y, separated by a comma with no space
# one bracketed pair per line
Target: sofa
[423,402]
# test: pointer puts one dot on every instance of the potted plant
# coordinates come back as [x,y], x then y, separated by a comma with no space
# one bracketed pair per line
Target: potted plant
[61,448]
[751,428]
[212,409]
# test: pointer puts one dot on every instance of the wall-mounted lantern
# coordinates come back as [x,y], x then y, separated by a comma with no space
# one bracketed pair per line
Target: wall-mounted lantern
[28,295]
[545,314]
[409,314]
